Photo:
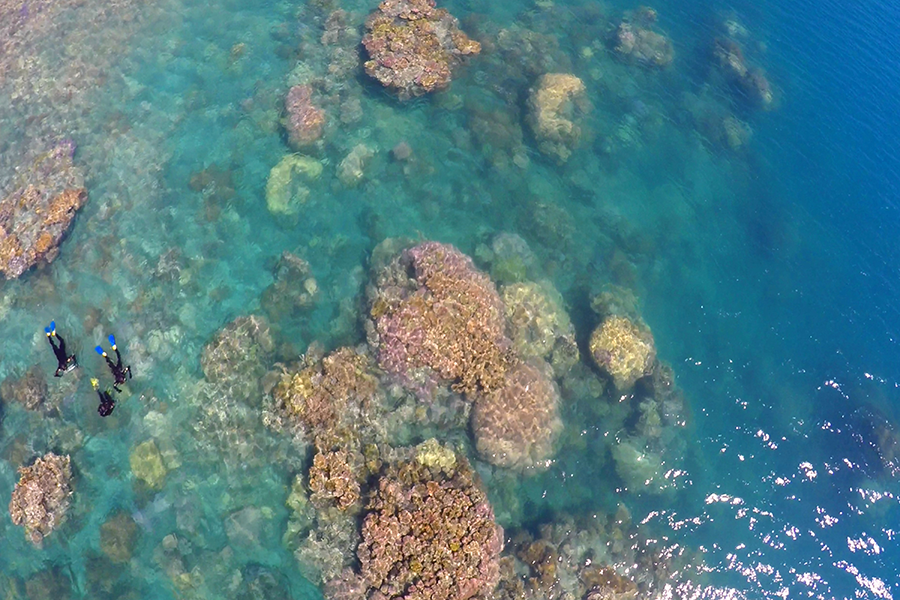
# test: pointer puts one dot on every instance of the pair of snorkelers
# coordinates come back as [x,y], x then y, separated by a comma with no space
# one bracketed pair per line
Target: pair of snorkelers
[67,362]
[120,372]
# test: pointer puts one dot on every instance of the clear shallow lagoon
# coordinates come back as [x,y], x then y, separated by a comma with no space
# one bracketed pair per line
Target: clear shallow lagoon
[767,274]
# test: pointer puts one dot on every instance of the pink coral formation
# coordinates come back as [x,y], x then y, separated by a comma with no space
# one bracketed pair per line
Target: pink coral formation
[237,358]
[642,46]
[516,425]
[304,121]
[41,498]
[554,109]
[438,319]
[36,214]
[429,534]
[414,46]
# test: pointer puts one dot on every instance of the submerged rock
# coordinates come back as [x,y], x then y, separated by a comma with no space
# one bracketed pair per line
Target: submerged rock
[36,214]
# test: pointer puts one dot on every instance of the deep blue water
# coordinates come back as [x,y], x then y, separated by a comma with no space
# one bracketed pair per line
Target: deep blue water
[768,276]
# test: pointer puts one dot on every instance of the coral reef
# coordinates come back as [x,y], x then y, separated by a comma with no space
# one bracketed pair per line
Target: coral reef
[237,357]
[516,425]
[413,46]
[332,480]
[30,389]
[642,46]
[287,186]
[36,214]
[429,534]
[352,169]
[555,106]
[750,80]
[624,349]
[41,497]
[303,120]
[147,464]
[436,318]
[118,535]
[294,289]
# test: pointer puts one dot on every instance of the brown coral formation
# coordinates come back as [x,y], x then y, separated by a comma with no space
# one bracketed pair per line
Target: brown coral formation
[237,358]
[624,349]
[304,121]
[41,498]
[413,46]
[36,214]
[332,481]
[516,425]
[643,46]
[429,534]
[320,396]
[554,109]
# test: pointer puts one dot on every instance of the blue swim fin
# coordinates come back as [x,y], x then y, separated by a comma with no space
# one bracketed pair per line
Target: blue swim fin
[47,331]
[112,340]
[100,351]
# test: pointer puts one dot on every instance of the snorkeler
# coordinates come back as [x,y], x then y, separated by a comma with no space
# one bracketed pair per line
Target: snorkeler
[119,372]
[66,362]
[107,402]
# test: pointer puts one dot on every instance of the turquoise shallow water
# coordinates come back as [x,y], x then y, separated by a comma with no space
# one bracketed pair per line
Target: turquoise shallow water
[766,272]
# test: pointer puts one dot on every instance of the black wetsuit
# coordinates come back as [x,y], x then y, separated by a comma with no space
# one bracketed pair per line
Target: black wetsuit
[107,403]
[119,372]
[65,361]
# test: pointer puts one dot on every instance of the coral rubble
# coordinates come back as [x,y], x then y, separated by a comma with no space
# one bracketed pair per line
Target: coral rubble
[413,46]
[41,497]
